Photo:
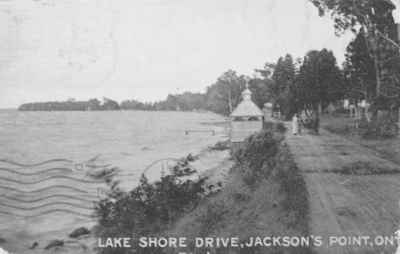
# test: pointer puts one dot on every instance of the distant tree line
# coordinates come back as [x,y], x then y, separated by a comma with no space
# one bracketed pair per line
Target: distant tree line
[220,97]
[71,105]
[186,101]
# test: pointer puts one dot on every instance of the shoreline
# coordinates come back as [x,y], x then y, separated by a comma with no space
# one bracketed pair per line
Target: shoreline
[207,162]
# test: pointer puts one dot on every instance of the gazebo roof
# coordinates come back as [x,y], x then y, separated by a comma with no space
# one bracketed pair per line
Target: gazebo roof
[247,107]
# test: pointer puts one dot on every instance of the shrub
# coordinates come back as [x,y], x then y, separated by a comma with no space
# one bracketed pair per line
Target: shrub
[255,157]
[265,154]
[149,208]
[275,127]
[293,185]
[265,158]
[280,127]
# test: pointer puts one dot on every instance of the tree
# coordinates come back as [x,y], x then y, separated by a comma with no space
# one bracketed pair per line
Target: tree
[282,87]
[136,105]
[224,95]
[267,71]
[94,104]
[319,81]
[191,101]
[375,18]
[359,70]
[109,104]
[260,89]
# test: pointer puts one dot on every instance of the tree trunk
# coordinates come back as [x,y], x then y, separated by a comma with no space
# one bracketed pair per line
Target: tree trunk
[230,101]
[316,117]
[372,45]
[377,74]
[320,108]
[374,49]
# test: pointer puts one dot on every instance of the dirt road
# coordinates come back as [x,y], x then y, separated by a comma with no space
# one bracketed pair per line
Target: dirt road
[348,205]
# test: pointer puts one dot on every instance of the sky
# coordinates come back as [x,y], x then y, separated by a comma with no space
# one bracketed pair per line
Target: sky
[146,49]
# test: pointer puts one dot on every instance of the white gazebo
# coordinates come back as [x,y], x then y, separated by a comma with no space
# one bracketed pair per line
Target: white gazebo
[246,119]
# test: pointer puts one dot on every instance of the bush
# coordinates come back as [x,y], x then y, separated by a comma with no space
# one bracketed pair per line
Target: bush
[293,185]
[149,209]
[275,127]
[280,127]
[265,158]
[255,157]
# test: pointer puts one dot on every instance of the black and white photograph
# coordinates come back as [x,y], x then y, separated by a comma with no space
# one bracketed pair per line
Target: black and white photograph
[199,127]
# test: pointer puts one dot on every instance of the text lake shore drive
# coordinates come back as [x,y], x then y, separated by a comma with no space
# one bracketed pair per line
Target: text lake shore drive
[251,242]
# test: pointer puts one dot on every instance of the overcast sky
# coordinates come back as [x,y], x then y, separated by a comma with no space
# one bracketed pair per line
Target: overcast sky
[145,49]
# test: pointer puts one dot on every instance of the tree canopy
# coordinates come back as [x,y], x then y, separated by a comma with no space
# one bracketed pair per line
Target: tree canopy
[359,69]
[282,87]
[319,80]
[224,94]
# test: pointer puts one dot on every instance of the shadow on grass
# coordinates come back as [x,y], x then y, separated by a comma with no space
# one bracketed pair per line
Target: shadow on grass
[359,168]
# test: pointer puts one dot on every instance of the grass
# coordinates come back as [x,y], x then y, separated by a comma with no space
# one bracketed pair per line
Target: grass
[339,124]
[366,168]
[342,125]
[266,195]
[359,168]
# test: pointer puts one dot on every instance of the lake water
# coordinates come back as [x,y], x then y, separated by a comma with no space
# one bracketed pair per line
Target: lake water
[41,207]
[130,140]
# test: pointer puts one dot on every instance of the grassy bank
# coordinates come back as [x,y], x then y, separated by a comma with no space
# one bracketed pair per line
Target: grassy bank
[265,195]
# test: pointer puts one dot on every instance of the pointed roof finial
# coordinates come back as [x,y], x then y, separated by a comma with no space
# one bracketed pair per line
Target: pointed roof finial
[246,107]
[246,80]
[246,94]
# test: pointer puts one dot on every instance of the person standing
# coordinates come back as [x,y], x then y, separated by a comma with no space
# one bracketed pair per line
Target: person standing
[295,125]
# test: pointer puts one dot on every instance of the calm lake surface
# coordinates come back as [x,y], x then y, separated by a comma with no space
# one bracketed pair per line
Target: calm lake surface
[130,140]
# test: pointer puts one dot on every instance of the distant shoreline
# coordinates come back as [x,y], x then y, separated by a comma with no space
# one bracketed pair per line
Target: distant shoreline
[15,110]
[71,105]
[118,110]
